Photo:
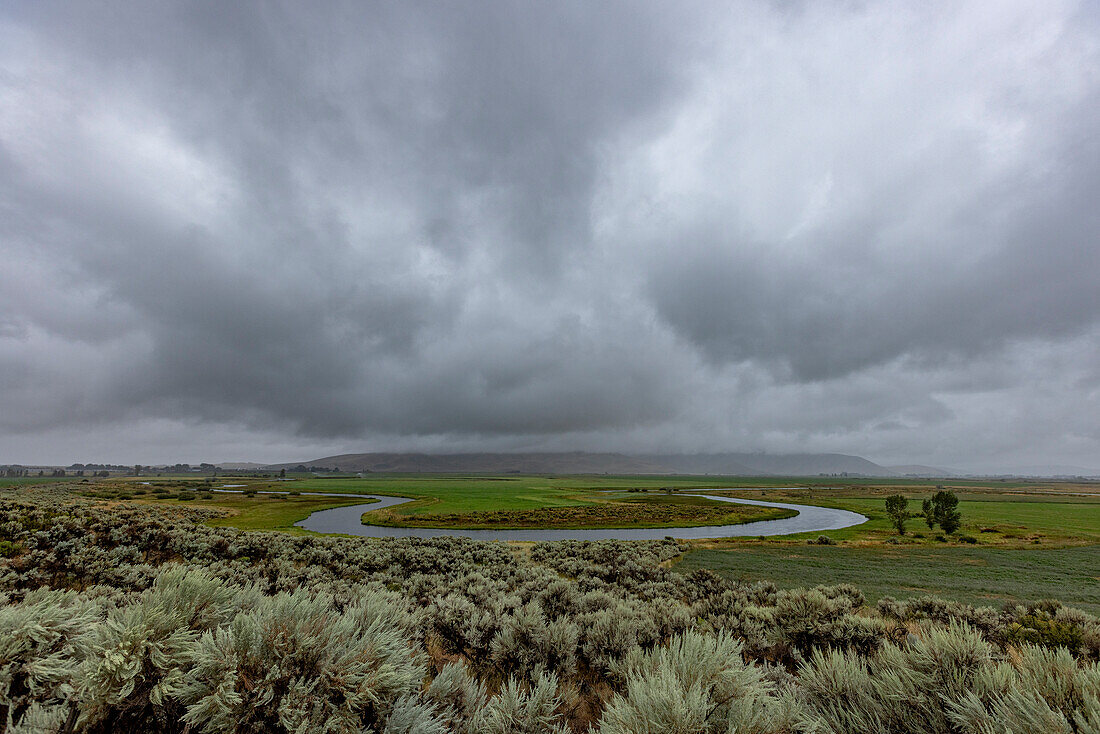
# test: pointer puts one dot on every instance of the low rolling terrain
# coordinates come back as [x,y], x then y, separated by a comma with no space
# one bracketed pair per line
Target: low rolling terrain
[1021,540]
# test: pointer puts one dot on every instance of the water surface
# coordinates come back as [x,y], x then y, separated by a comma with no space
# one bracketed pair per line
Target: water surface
[348,520]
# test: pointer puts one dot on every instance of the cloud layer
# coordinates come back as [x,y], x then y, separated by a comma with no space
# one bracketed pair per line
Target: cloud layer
[253,231]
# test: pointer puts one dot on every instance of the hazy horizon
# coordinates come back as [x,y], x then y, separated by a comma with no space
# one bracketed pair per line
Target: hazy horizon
[900,469]
[257,231]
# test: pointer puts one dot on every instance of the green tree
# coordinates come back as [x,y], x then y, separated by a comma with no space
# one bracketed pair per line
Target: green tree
[942,510]
[947,511]
[897,507]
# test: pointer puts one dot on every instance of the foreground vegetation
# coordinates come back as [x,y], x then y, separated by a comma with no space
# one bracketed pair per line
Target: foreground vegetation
[124,616]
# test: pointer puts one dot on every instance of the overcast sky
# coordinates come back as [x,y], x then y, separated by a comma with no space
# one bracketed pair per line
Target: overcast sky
[261,232]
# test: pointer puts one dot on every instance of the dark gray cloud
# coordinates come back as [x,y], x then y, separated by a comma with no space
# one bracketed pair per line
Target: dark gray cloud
[272,229]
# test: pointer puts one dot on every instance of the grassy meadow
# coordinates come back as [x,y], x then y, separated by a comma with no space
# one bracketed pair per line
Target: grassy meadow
[133,615]
[977,575]
[1019,540]
[30,481]
[1022,543]
[452,502]
[994,512]
[271,513]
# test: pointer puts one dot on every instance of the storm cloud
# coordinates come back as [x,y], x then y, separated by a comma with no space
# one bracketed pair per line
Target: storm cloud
[259,231]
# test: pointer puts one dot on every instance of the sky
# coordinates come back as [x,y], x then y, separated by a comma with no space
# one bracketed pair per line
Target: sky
[277,231]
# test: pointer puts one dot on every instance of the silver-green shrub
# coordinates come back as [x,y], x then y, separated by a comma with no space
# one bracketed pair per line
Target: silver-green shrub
[697,684]
[950,680]
[522,708]
[134,662]
[456,697]
[295,663]
[38,659]
[528,642]
[137,618]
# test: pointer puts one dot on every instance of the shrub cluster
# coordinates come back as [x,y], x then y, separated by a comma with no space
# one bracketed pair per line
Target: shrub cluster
[142,618]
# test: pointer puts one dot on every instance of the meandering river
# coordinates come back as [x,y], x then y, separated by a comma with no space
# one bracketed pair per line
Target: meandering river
[348,520]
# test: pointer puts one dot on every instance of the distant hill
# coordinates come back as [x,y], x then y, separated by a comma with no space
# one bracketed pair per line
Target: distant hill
[702,464]
[531,463]
[920,470]
[729,464]
[1051,470]
[771,464]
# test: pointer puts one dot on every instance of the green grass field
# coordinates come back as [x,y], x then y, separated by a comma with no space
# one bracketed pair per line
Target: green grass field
[1030,544]
[30,481]
[266,513]
[447,494]
[1005,564]
[1053,518]
[1033,540]
[1018,512]
[988,576]
[466,502]
[991,517]
[457,501]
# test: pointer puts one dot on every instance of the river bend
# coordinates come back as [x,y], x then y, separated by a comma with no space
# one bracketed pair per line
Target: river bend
[810,519]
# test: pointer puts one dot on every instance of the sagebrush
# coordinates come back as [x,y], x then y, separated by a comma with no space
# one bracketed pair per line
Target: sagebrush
[129,617]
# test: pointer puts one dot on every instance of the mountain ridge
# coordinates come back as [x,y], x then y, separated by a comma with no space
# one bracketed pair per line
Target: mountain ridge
[579,462]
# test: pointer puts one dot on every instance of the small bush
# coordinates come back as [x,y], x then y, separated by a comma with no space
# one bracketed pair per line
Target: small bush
[134,663]
[941,538]
[697,683]
[822,540]
[298,663]
[1040,629]
[968,539]
[38,656]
